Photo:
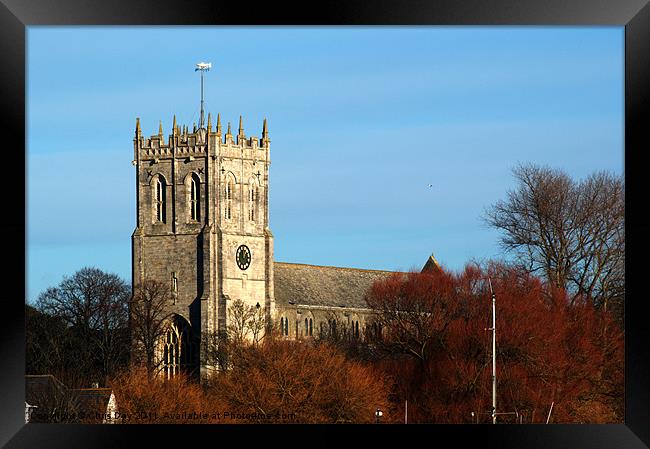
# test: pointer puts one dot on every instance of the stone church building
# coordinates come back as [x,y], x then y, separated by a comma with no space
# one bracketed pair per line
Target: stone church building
[203,227]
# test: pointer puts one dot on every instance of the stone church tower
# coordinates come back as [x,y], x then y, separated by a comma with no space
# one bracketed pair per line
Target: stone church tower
[203,228]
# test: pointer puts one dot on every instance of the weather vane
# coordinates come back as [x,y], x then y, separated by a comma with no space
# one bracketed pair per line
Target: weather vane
[202,67]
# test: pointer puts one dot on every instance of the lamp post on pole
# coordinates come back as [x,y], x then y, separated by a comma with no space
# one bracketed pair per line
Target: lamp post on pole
[494,360]
[494,356]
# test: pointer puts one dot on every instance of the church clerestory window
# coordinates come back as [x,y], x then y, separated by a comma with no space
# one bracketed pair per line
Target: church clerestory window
[309,328]
[284,326]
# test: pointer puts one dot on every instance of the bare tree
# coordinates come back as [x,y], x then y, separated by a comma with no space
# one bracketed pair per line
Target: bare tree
[215,349]
[93,305]
[571,232]
[245,321]
[414,311]
[47,342]
[149,316]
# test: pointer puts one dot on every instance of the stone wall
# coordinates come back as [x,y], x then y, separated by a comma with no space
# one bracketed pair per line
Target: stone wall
[322,318]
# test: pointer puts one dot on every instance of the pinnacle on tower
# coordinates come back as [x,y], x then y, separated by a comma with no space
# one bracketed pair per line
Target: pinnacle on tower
[265,130]
[160,131]
[209,122]
[228,133]
[174,127]
[241,127]
[194,127]
[218,123]
[137,126]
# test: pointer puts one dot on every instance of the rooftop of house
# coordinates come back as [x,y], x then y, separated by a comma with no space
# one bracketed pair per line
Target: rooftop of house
[92,402]
[46,391]
[43,387]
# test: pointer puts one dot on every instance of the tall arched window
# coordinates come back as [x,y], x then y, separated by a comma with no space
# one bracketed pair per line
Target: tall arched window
[309,330]
[284,326]
[195,184]
[253,193]
[177,350]
[228,195]
[160,200]
[333,328]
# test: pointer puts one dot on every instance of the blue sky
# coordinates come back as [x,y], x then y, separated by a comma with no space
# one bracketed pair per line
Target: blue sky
[361,120]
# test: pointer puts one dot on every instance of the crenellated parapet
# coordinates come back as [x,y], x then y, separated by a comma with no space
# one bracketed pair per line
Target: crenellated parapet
[184,143]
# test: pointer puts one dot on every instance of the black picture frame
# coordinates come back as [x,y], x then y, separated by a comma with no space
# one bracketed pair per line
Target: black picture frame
[16,15]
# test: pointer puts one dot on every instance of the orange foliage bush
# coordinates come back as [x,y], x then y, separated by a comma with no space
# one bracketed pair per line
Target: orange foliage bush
[276,382]
[144,400]
[297,382]
[439,349]
[436,348]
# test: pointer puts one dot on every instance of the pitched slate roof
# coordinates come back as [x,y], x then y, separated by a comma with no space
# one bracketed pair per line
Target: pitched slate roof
[315,285]
[42,388]
[94,403]
[89,405]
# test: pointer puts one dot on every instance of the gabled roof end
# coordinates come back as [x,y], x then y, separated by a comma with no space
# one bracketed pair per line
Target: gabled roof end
[431,264]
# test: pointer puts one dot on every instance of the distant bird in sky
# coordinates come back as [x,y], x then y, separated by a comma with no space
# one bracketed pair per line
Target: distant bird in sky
[430,185]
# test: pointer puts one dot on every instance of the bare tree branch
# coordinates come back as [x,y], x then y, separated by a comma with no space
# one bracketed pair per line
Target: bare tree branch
[573,232]
[149,317]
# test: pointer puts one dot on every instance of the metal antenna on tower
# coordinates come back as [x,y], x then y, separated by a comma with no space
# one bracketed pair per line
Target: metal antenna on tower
[202,67]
